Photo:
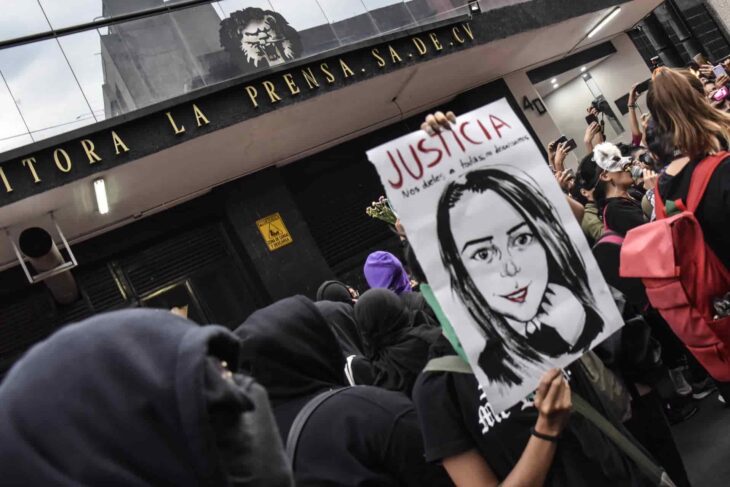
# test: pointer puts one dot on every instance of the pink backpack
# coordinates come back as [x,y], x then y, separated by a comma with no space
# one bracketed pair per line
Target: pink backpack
[683,276]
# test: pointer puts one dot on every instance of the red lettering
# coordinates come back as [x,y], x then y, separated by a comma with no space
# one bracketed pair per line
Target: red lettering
[418,162]
[484,129]
[422,147]
[443,143]
[458,140]
[462,131]
[498,126]
[399,183]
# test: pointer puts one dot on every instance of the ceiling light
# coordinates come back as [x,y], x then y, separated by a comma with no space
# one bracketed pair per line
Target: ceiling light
[554,80]
[474,7]
[102,203]
[556,85]
[608,18]
[583,69]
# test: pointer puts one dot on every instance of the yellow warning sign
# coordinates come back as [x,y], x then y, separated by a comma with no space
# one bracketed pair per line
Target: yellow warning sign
[274,231]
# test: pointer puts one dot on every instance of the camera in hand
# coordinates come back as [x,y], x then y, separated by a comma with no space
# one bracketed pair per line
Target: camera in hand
[642,87]
[571,144]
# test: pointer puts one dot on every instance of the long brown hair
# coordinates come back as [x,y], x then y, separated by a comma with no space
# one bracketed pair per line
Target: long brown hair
[698,128]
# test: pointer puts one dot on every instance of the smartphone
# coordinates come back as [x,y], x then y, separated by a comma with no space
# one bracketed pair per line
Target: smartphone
[720,94]
[591,118]
[719,71]
[560,140]
[571,145]
[642,87]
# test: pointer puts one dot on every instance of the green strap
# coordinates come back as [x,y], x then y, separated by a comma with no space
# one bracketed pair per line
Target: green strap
[455,364]
[449,363]
[446,327]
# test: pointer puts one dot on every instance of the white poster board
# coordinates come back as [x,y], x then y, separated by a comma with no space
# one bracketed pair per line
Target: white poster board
[500,247]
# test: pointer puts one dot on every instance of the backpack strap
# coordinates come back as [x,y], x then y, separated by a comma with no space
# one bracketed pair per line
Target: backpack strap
[701,178]
[449,363]
[659,208]
[641,459]
[301,419]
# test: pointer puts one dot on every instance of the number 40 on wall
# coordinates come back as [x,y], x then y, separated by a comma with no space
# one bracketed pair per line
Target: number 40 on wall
[535,104]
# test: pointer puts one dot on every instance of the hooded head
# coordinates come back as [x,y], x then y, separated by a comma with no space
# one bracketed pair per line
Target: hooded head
[341,318]
[334,291]
[137,396]
[289,348]
[395,343]
[384,270]
[381,315]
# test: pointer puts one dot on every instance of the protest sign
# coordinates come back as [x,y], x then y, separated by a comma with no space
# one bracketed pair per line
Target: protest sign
[500,247]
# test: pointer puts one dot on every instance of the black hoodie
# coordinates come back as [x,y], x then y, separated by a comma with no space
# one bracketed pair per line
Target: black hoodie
[363,436]
[137,398]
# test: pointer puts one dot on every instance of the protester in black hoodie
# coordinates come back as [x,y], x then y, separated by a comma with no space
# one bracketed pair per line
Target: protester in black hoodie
[396,342]
[341,318]
[360,436]
[137,398]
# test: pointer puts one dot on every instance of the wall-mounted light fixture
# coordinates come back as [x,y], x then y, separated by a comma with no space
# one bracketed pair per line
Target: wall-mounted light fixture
[474,7]
[102,202]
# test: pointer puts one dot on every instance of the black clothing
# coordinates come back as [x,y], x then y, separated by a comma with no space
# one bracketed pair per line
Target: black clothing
[650,427]
[416,303]
[713,213]
[623,214]
[456,417]
[341,318]
[139,398]
[395,343]
[364,436]
[360,437]
[334,291]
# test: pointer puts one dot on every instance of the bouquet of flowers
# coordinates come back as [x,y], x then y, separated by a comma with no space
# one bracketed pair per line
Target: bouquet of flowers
[381,210]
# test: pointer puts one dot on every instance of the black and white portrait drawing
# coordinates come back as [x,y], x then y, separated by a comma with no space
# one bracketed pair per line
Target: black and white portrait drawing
[256,38]
[522,280]
[500,247]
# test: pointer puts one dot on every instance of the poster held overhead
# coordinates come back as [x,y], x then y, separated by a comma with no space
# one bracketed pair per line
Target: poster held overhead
[500,248]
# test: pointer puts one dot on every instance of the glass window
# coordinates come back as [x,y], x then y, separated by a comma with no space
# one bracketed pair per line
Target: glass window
[68,13]
[83,51]
[21,18]
[43,87]
[313,28]
[426,11]
[390,15]
[350,20]
[12,129]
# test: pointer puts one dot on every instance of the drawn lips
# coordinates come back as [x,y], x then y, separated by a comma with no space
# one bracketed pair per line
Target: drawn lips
[518,296]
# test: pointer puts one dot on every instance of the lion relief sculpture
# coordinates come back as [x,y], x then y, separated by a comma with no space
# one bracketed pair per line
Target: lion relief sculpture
[257,38]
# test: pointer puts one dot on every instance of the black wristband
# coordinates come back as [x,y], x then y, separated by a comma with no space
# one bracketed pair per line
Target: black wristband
[552,439]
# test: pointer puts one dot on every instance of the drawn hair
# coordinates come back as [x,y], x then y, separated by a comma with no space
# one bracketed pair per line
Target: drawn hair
[565,266]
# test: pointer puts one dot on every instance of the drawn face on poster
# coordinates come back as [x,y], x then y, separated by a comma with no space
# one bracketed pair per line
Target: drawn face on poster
[257,38]
[500,247]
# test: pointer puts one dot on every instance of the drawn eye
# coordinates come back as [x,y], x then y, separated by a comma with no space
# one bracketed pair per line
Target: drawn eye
[522,240]
[485,254]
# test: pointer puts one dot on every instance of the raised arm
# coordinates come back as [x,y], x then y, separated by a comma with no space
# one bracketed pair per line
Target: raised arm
[552,400]
[636,133]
